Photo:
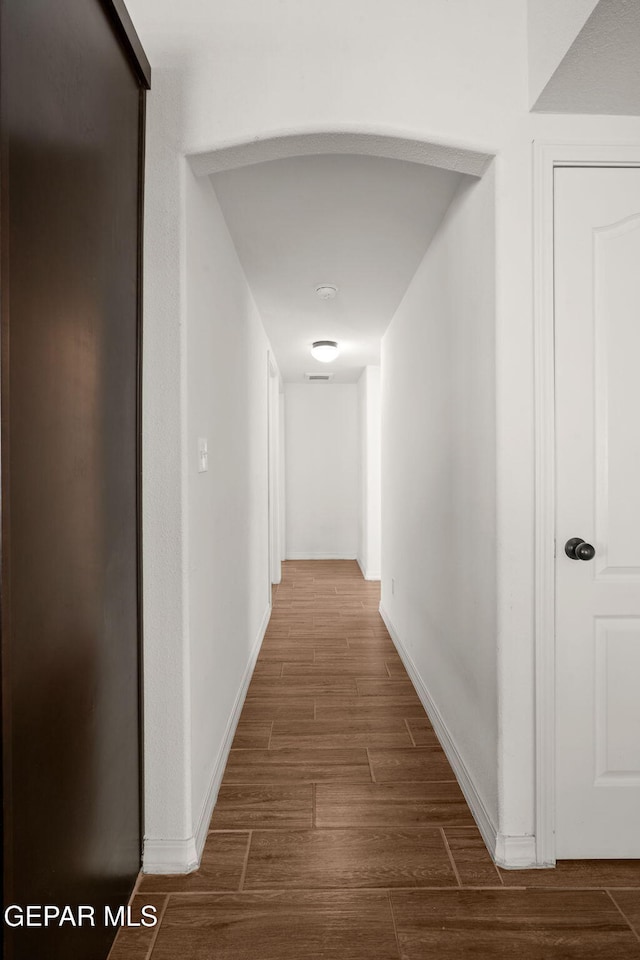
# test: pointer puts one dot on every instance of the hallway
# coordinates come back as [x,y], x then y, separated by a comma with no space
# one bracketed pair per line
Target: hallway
[340,832]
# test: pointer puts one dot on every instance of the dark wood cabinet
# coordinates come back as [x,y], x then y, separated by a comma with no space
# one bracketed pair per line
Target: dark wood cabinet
[72,90]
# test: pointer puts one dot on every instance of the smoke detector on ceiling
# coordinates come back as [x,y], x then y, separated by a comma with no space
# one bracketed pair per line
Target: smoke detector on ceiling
[326,291]
[318,377]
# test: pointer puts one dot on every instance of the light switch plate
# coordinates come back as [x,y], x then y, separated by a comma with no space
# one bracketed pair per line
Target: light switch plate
[203,455]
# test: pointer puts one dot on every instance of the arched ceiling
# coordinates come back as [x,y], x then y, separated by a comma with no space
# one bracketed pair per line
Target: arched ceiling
[362,223]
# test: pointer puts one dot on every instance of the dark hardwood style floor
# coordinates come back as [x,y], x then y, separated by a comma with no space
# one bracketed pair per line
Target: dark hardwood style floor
[340,832]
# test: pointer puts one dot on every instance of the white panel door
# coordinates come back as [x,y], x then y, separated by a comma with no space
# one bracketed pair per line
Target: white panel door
[597,323]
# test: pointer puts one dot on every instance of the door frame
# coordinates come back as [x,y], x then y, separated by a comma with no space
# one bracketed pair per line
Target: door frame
[546,157]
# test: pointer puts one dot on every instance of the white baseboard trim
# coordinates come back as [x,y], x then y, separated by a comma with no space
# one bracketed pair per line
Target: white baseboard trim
[516,852]
[367,574]
[319,556]
[183,856]
[170,856]
[476,804]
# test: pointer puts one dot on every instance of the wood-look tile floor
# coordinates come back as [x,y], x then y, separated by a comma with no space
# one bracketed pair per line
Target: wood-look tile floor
[340,832]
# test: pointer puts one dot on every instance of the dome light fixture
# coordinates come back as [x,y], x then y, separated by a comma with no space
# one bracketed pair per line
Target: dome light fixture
[324,350]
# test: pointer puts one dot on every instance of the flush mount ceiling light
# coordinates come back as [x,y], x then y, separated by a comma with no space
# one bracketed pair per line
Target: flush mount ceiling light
[326,291]
[324,350]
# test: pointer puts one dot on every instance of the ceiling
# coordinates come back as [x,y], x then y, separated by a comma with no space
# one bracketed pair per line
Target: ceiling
[361,223]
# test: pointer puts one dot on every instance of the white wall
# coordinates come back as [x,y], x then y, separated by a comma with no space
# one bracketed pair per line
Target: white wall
[227,588]
[369,426]
[167,738]
[322,470]
[439,480]
[239,71]
[275,484]
[282,493]
[228,572]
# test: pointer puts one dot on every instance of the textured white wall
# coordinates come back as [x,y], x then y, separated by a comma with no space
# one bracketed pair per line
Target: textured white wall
[600,73]
[369,420]
[439,479]
[228,562]
[322,464]
[239,70]
[552,28]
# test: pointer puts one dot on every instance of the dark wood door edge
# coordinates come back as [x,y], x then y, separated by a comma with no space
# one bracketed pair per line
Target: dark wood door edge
[119,16]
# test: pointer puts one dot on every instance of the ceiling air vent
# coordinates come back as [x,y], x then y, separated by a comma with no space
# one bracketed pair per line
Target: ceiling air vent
[318,377]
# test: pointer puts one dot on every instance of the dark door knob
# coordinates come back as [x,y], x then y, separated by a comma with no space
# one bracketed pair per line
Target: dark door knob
[577,549]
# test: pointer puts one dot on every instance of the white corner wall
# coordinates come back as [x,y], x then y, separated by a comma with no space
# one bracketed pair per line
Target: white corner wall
[439,486]
[322,470]
[369,426]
